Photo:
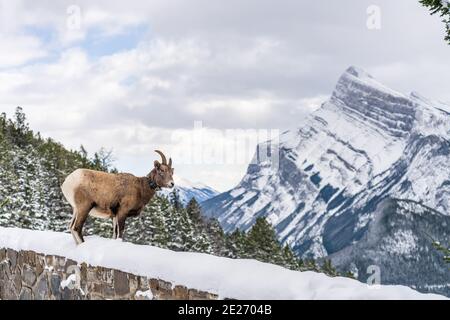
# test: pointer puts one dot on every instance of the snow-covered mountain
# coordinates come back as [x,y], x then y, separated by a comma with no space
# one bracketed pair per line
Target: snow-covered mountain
[188,190]
[365,145]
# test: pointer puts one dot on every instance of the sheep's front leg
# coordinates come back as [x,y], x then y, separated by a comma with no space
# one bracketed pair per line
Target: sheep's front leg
[121,226]
[118,226]
[115,227]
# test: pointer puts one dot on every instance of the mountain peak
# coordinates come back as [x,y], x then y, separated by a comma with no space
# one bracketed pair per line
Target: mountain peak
[365,99]
[358,72]
[355,77]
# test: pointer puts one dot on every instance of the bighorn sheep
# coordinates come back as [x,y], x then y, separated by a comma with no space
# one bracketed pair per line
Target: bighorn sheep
[117,196]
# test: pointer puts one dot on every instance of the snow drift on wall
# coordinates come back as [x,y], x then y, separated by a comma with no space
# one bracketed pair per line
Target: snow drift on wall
[232,278]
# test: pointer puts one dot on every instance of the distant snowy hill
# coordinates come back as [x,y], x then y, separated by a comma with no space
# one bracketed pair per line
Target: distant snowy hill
[229,278]
[188,190]
[366,150]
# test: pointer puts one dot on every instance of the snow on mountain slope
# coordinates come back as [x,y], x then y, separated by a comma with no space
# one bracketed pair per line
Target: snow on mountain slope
[229,278]
[365,144]
[188,190]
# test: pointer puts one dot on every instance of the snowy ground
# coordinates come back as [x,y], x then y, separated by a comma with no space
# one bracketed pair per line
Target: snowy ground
[241,279]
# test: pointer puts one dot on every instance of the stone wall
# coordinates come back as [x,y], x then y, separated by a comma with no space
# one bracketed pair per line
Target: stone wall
[30,275]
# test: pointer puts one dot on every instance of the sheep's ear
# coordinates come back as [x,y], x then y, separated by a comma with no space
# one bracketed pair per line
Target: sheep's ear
[157,164]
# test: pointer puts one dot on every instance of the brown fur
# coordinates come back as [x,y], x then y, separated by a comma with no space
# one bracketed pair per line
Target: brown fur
[114,196]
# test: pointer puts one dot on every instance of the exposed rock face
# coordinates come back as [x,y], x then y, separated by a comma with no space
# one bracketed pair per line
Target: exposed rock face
[398,242]
[366,144]
[27,275]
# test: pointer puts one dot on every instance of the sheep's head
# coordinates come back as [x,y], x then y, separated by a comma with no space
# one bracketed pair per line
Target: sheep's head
[163,176]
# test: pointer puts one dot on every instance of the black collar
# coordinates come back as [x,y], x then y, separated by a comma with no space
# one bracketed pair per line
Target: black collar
[153,185]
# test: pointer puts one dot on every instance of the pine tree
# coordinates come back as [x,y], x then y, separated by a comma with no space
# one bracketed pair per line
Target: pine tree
[175,200]
[201,239]
[194,211]
[328,268]
[236,244]
[441,7]
[349,274]
[217,237]
[444,250]
[289,259]
[175,224]
[262,243]
[310,265]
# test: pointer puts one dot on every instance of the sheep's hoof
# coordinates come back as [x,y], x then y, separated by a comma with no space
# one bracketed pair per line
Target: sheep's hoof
[76,236]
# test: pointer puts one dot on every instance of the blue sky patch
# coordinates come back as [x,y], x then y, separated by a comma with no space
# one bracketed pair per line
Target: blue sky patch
[97,44]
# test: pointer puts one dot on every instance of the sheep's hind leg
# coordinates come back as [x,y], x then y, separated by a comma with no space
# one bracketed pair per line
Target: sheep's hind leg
[118,226]
[115,227]
[121,227]
[73,220]
[71,229]
[77,226]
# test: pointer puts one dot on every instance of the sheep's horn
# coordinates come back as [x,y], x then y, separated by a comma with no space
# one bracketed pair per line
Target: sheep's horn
[163,157]
[170,162]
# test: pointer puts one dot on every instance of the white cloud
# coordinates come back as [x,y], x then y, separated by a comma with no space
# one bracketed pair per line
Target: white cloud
[19,49]
[263,66]
[254,108]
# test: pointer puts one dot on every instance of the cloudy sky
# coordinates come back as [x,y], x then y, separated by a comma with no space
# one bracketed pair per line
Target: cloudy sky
[133,76]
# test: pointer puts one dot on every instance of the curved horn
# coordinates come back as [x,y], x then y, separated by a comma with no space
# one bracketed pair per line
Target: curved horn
[163,157]
[170,162]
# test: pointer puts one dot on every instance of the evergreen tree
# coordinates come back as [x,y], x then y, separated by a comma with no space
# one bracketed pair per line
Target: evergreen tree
[201,241]
[262,243]
[217,238]
[310,265]
[441,7]
[194,211]
[236,244]
[349,274]
[289,259]
[328,269]
[444,250]
[175,200]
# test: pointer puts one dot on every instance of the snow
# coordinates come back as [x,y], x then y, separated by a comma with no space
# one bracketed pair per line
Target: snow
[182,182]
[403,243]
[71,280]
[147,295]
[359,75]
[231,278]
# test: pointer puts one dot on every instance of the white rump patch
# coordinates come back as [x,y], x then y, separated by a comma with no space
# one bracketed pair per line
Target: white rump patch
[70,184]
